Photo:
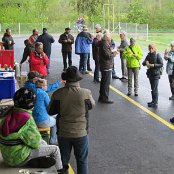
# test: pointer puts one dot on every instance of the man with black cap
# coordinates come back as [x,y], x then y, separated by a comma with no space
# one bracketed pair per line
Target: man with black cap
[47,40]
[66,39]
[72,103]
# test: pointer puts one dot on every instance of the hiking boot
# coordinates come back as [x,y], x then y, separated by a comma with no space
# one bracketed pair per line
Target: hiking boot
[171,98]
[172,120]
[42,162]
[63,170]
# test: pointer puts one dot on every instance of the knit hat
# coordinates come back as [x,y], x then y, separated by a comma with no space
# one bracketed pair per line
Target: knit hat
[24,98]
[33,74]
[72,74]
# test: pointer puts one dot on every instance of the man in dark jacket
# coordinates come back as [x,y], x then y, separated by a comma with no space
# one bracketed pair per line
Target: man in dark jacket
[72,103]
[47,40]
[66,39]
[106,63]
[7,40]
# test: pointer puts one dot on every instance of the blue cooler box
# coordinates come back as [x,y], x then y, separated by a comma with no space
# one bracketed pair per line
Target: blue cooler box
[7,84]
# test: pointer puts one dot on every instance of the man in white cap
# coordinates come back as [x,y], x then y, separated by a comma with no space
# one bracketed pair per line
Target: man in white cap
[123,44]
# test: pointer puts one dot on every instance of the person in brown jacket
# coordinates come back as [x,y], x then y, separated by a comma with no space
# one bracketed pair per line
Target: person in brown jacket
[66,39]
[106,60]
[72,103]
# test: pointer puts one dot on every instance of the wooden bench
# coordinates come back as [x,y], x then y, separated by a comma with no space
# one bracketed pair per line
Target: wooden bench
[45,133]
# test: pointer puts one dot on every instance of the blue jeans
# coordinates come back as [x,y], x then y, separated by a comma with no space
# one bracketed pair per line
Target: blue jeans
[80,146]
[51,122]
[83,62]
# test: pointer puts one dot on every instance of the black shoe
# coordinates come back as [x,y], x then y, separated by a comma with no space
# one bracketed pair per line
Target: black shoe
[64,69]
[89,69]
[172,120]
[42,162]
[136,94]
[123,79]
[115,77]
[171,98]
[106,101]
[128,94]
[62,171]
[152,105]
[149,103]
[96,81]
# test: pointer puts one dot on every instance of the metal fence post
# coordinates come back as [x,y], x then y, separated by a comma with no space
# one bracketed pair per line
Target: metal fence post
[93,27]
[136,30]
[147,34]
[19,28]
[119,28]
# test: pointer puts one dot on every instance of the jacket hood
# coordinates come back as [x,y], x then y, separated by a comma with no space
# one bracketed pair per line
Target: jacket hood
[14,121]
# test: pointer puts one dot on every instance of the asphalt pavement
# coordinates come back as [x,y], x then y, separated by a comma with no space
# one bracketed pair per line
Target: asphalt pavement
[126,137]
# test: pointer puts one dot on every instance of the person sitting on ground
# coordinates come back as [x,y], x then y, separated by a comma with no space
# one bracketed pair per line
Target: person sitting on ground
[40,115]
[33,76]
[154,62]
[20,141]
[38,60]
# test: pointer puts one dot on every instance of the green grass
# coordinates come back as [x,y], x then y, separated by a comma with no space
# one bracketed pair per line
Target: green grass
[162,40]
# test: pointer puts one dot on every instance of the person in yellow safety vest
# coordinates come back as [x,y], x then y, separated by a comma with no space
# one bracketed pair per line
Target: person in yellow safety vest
[133,55]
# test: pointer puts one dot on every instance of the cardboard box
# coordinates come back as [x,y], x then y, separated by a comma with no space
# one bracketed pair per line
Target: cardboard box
[21,80]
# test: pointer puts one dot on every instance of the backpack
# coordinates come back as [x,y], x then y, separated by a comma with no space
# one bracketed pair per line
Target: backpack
[161,68]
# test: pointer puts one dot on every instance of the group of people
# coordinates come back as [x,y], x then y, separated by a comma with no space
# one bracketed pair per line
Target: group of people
[67,112]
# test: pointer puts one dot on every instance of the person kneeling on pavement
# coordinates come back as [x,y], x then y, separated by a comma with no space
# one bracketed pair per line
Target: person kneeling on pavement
[20,141]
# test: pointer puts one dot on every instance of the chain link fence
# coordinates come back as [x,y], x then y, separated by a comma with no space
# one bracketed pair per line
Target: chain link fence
[140,31]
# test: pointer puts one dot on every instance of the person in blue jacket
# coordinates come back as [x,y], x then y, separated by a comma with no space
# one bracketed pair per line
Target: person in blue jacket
[82,48]
[40,114]
[33,77]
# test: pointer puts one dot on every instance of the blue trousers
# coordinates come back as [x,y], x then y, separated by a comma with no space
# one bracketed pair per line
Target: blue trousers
[83,62]
[80,146]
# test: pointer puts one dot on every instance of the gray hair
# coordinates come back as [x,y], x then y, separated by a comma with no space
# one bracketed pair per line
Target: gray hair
[172,43]
[98,26]
[106,36]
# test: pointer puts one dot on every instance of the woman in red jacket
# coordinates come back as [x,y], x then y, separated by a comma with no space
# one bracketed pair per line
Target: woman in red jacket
[38,60]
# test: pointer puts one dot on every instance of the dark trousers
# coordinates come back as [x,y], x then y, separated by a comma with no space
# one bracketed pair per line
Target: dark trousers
[88,62]
[113,71]
[65,55]
[171,81]
[80,146]
[97,69]
[104,85]
[83,62]
[154,89]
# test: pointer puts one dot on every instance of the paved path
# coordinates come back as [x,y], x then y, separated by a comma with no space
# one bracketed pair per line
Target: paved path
[126,137]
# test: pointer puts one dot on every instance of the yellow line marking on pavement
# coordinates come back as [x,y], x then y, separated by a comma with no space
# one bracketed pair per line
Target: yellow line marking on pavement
[70,170]
[152,114]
